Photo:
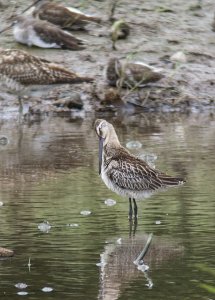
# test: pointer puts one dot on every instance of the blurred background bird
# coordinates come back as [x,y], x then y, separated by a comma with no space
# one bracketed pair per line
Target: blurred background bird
[43,34]
[19,69]
[66,17]
[130,74]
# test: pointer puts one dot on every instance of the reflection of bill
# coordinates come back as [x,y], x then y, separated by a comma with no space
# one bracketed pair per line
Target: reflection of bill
[127,259]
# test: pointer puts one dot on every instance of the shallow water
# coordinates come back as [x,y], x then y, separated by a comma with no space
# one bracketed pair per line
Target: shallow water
[49,172]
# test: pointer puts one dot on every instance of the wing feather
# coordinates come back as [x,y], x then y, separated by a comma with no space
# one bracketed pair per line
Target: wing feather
[136,175]
[50,33]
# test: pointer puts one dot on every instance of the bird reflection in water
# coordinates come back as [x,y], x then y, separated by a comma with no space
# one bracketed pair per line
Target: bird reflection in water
[127,259]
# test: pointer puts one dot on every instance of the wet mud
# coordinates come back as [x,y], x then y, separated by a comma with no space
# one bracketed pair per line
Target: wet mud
[158,30]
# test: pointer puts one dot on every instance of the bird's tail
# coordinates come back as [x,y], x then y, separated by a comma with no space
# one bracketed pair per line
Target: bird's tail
[94,19]
[171,181]
[69,41]
[58,74]
[80,79]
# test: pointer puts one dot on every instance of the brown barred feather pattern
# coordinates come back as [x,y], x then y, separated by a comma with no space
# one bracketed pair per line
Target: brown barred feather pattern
[131,173]
[35,32]
[26,69]
[62,16]
[126,174]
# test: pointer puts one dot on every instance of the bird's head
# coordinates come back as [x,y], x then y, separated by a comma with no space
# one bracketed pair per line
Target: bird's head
[102,128]
[113,71]
[106,134]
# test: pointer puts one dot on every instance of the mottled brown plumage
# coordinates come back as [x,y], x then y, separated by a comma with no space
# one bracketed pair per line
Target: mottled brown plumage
[33,32]
[130,74]
[20,67]
[65,17]
[124,173]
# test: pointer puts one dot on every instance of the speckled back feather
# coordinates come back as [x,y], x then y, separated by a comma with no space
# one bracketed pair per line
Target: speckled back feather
[50,33]
[62,16]
[124,173]
[130,172]
[27,69]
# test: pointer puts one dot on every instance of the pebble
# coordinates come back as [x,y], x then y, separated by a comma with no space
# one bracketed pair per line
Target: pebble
[179,57]
[134,145]
[110,202]
[21,285]
[22,293]
[47,289]
[3,140]
[73,225]
[44,226]
[85,212]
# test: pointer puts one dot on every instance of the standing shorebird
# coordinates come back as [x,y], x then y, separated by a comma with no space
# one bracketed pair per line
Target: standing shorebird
[18,69]
[65,17]
[126,174]
[43,34]
[130,74]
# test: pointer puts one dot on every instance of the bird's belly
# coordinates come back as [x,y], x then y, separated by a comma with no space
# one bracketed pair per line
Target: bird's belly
[21,35]
[125,192]
[7,83]
[37,41]
[29,37]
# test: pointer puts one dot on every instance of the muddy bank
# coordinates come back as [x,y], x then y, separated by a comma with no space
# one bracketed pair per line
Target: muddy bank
[159,29]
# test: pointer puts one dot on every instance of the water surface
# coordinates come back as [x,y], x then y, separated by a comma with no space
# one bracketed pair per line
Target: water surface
[49,172]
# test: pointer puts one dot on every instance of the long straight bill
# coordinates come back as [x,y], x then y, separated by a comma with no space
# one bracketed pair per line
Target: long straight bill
[6,28]
[101,140]
[33,4]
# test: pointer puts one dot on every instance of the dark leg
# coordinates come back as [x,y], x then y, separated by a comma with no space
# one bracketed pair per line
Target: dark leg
[130,212]
[135,208]
[132,227]
[20,105]
[135,226]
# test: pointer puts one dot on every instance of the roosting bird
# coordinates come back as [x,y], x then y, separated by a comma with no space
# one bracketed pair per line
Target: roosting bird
[19,69]
[126,174]
[65,17]
[33,32]
[130,74]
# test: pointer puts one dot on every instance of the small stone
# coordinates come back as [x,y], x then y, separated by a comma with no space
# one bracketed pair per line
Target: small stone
[1,203]
[110,202]
[179,57]
[47,289]
[158,222]
[99,264]
[3,140]
[72,102]
[119,241]
[22,293]
[21,285]
[44,226]
[134,145]
[6,252]
[73,225]
[85,212]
